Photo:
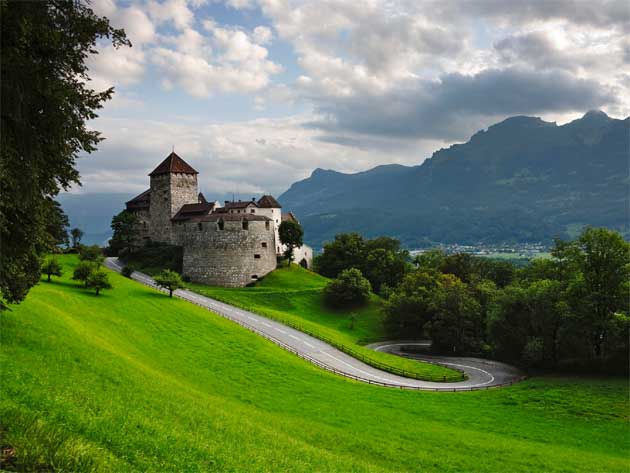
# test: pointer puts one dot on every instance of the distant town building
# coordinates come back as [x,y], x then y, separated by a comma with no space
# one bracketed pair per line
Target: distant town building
[225,245]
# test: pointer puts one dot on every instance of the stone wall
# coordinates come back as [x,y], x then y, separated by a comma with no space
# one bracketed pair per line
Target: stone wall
[168,193]
[232,257]
[142,228]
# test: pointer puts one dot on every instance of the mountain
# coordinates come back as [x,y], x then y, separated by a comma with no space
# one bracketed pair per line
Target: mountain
[521,180]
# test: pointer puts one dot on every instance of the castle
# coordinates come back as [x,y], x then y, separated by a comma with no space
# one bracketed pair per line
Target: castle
[228,245]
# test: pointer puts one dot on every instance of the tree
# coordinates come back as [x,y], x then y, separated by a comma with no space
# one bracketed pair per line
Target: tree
[598,269]
[91,253]
[97,280]
[432,259]
[46,104]
[123,226]
[457,326]
[410,306]
[169,280]
[349,289]
[291,235]
[83,270]
[345,252]
[384,267]
[76,234]
[51,267]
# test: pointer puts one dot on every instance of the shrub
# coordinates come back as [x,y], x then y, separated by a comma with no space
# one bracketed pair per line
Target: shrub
[349,289]
[127,270]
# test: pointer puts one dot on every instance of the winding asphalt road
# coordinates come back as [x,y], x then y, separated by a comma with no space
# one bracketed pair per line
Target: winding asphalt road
[330,358]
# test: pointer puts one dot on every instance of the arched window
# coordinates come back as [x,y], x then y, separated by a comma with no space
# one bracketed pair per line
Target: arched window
[221,224]
[199,226]
[245,224]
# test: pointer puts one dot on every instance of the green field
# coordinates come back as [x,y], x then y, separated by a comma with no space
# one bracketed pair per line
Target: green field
[293,295]
[134,381]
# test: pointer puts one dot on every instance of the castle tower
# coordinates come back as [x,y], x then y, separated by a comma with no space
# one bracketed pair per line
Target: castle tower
[173,184]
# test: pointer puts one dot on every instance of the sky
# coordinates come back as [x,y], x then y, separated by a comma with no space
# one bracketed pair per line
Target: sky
[256,94]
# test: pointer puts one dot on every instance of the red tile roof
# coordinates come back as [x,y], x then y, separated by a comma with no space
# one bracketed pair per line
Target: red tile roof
[173,164]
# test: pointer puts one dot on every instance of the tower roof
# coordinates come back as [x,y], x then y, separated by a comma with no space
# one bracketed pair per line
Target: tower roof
[268,202]
[173,164]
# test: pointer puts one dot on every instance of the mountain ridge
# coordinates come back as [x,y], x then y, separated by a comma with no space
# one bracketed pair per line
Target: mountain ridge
[520,180]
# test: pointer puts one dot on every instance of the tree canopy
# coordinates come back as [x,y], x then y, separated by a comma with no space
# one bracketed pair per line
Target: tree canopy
[291,235]
[46,105]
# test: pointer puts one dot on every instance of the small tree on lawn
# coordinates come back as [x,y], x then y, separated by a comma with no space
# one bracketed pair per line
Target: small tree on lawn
[169,280]
[83,270]
[349,289]
[76,234]
[98,280]
[51,267]
[291,235]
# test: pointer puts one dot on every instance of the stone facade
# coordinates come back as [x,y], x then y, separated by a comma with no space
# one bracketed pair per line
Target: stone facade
[230,246]
[169,192]
[230,252]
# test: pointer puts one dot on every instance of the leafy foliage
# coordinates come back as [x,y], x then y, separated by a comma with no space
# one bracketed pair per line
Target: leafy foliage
[291,235]
[349,289]
[169,280]
[46,104]
[83,270]
[98,279]
[91,253]
[381,259]
[123,227]
[570,311]
[51,267]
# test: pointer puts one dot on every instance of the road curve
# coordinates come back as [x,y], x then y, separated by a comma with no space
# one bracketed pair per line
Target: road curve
[317,351]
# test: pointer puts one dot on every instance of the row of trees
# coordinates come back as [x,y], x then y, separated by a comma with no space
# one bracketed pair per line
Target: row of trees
[88,271]
[567,311]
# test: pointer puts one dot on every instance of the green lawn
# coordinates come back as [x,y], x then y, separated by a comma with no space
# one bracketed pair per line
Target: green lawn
[293,295]
[134,381]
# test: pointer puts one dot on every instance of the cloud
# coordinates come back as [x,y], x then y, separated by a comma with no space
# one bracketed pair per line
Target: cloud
[457,105]
[256,156]
[228,61]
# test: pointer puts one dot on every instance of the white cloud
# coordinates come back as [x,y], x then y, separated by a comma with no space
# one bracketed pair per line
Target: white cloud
[265,155]
[228,60]
[262,35]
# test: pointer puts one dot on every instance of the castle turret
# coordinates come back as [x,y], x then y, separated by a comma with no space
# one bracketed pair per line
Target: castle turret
[173,184]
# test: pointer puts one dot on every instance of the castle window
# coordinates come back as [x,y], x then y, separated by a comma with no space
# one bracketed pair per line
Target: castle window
[253,211]
[254,276]
[199,226]
[256,256]
[267,225]
[264,244]
[221,224]
[245,224]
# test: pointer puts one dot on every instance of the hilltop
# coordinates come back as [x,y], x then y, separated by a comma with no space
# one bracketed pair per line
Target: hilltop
[521,180]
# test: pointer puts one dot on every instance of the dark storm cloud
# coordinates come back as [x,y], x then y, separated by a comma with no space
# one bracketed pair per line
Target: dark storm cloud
[458,104]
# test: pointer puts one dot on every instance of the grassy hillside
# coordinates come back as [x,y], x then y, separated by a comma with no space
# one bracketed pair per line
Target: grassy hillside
[294,295]
[134,381]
